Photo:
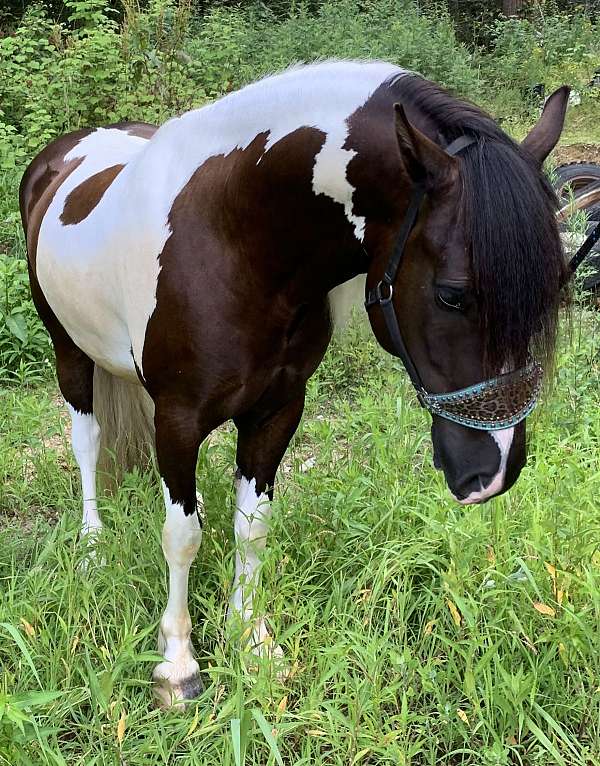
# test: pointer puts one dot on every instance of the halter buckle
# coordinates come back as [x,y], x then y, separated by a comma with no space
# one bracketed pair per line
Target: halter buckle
[381,298]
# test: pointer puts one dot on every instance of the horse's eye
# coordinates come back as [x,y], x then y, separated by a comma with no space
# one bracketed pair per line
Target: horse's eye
[452,298]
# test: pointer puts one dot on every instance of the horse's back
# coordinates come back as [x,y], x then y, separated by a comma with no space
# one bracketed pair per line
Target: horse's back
[74,209]
[50,165]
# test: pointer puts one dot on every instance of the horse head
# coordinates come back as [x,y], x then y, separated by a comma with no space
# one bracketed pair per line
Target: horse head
[469,296]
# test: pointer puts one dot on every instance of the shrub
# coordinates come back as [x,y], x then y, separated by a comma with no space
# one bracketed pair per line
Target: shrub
[54,79]
[24,344]
[555,50]
[235,46]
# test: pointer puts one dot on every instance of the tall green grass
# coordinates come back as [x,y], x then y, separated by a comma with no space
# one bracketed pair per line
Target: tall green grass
[417,632]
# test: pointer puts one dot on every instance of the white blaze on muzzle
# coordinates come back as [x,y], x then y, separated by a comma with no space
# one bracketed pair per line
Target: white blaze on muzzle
[504,440]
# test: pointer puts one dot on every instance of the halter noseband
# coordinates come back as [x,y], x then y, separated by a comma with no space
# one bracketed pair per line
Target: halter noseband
[491,405]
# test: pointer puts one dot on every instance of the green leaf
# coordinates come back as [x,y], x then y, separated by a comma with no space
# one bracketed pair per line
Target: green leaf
[105,684]
[18,639]
[544,741]
[35,699]
[236,741]
[17,324]
[266,730]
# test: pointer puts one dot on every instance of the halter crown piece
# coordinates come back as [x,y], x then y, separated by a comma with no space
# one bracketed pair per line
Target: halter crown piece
[491,405]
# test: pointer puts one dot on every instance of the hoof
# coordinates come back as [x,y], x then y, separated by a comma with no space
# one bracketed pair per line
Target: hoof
[177,696]
[173,691]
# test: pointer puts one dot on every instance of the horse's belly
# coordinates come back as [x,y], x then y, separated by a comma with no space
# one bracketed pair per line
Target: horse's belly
[82,293]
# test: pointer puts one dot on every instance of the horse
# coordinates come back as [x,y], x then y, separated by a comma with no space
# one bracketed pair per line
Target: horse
[185,276]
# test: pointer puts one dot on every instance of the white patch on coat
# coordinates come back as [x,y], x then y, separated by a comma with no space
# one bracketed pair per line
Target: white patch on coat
[100,275]
[251,526]
[86,270]
[503,439]
[181,539]
[329,175]
[85,440]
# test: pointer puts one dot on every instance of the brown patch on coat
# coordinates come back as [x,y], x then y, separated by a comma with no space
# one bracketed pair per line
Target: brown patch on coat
[43,177]
[139,129]
[47,172]
[38,207]
[83,198]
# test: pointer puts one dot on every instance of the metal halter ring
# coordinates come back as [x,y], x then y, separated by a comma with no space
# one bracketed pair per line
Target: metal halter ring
[381,298]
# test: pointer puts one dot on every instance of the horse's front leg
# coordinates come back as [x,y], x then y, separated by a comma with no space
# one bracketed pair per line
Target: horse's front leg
[262,442]
[178,438]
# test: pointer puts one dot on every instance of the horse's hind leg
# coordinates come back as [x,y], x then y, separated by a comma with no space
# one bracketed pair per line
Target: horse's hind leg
[262,441]
[75,378]
[75,372]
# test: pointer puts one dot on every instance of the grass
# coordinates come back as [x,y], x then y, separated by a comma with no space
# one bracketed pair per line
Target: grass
[417,632]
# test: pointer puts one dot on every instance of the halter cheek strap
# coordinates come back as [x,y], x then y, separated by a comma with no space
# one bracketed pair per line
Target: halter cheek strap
[383,292]
[491,405]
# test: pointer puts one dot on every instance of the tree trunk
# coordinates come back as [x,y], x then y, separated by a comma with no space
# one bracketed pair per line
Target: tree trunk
[512,7]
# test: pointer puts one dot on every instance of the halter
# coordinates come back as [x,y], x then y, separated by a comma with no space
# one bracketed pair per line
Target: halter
[585,248]
[491,405]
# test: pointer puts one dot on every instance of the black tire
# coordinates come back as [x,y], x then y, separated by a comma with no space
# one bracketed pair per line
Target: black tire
[578,175]
[586,199]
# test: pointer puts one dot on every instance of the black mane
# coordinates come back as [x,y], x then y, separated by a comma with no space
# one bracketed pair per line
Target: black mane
[509,210]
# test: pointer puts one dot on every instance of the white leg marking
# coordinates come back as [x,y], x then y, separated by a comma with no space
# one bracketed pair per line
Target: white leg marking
[85,439]
[503,439]
[251,526]
[178,675]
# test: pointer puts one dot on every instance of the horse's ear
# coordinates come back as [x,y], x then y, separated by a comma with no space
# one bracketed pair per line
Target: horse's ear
[422,157]
[544,135]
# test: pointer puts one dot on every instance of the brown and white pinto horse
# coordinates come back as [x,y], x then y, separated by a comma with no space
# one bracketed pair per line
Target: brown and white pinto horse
[195,261]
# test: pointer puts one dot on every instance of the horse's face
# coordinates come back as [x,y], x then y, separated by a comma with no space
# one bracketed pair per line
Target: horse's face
[441,325]
[440,318]
[441,322]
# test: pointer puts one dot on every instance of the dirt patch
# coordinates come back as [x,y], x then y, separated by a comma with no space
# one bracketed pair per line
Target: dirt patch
[577,153]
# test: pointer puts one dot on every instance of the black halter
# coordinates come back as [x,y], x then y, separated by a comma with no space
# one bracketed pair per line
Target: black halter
[585,248]
[490,405]
[381,295]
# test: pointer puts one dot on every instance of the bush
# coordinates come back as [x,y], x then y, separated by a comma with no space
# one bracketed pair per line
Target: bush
[24,343]
[54,79]
[235,46]
[556,50]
